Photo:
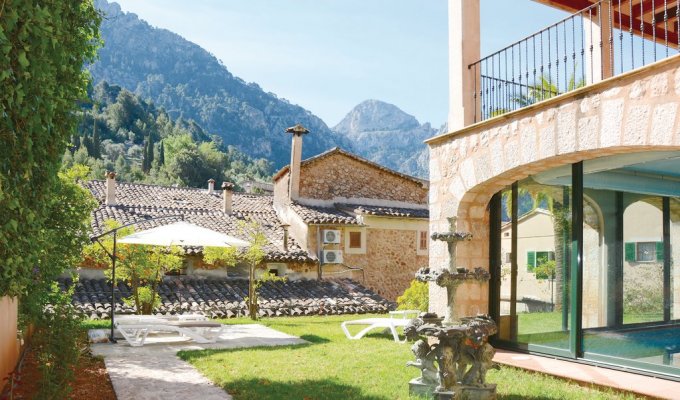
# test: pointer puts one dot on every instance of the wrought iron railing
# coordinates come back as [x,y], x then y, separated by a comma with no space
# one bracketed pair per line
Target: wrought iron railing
[603,40]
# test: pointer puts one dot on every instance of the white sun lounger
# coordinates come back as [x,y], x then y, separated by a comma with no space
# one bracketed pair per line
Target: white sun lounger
[397,319]
[135,328]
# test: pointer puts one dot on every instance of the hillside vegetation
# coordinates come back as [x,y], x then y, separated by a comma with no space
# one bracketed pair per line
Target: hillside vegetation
[119,131]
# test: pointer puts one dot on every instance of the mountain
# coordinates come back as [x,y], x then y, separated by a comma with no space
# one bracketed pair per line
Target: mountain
[384,134]
[189,82]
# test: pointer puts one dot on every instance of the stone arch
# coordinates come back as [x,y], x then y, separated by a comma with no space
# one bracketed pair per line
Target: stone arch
[472,209]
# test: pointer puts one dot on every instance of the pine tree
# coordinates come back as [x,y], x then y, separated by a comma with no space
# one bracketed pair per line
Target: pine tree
[87,143]
[96,141]
[161,154]
[150,151]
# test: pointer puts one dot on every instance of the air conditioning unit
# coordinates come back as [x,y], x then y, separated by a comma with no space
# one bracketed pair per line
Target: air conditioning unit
[332,256]
[331,236]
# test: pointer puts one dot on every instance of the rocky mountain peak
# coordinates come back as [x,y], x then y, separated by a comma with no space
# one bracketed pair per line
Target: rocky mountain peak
[375,115]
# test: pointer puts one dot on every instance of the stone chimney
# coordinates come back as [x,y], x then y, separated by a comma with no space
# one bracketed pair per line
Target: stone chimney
[227,194]
[211,186]
[295,160]
[110,188]
[285,236]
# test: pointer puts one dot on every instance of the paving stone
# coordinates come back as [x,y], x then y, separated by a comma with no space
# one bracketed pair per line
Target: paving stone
[155,372]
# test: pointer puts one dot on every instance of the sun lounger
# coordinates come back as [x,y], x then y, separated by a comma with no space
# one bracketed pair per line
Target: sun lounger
[135,328]
[397,319]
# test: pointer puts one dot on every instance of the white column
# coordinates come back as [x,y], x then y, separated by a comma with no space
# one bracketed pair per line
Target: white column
[463,51]
[598,65]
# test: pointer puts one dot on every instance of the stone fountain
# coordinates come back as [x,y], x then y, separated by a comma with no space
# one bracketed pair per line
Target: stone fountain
[452,353]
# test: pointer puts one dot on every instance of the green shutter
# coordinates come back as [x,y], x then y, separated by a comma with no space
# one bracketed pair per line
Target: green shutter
[630,251]
[531,260]
[659,251]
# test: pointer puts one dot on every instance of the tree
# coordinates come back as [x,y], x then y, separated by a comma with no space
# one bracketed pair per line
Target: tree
[56,330]
[44,48]
[141,267]
[253,257]
[96,140]
[161,154]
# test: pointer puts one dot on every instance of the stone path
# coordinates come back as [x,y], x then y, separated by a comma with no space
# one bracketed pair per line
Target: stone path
[154,372]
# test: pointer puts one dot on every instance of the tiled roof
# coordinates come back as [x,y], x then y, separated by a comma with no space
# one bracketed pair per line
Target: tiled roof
[323,215]
[138,202]
[224,297]
[345,214]
[401,212]
[337,150]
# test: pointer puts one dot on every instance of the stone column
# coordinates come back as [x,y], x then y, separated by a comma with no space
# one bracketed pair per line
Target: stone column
[463,51]
[295,160]
[110,199]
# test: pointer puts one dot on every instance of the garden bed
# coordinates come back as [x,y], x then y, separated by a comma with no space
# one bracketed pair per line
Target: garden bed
[91,379]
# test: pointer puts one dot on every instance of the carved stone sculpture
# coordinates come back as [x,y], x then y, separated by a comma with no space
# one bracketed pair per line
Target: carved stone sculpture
[458,345]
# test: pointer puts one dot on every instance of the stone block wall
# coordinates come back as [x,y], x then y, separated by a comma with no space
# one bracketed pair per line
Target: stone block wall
[636,111]
[339,176]
[390,262]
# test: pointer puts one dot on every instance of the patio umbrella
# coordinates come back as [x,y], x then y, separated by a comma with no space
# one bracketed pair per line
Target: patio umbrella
[177,234]
[183,234]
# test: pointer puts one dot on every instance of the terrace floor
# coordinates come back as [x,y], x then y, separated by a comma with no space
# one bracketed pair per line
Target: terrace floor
[592,375]
[154,372]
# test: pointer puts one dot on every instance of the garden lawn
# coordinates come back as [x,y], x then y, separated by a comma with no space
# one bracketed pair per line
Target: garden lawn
[333,367]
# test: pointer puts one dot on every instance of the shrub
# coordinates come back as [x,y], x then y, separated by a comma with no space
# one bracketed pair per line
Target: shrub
[416,297]
[58,342]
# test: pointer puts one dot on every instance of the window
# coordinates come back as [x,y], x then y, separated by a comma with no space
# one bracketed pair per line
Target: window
[422,245]
[536,258]
[354,240]
[644,251]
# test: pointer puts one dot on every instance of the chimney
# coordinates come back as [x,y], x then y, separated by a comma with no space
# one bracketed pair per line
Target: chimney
[285,236]
[295,160]
[211,186]
[110,188]
[227,194]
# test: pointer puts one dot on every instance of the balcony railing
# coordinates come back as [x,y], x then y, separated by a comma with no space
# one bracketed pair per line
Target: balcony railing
[603,40]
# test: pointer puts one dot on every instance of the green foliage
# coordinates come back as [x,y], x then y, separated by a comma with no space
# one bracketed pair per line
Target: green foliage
[220,256]
[141,267]
[122,132]
[60,242]
[58,342]
[43,48]
[545,269]
[252,256]
[415,297]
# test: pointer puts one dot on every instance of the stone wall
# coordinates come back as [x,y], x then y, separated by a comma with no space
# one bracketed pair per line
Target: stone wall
[390,262]
[339,176]
[635,111]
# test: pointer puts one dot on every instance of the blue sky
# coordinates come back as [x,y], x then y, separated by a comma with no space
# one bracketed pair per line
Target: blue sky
[329,55]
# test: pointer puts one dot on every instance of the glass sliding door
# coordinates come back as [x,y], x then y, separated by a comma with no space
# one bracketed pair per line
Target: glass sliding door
[585,261]
[534,281]
[628,233]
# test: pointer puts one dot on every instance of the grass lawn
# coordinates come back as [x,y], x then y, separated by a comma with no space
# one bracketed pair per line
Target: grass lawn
[332,367]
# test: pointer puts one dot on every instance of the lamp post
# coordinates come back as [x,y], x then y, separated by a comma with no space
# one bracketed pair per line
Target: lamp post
[113,257]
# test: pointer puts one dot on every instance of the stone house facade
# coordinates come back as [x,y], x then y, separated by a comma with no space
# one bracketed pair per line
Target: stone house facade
[378,217]
[599,145]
